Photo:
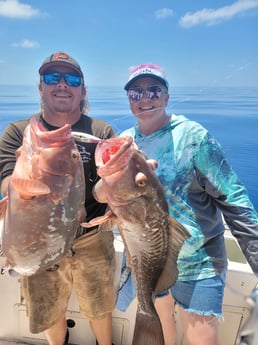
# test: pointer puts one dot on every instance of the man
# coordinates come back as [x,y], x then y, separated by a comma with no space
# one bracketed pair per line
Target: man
[63,101]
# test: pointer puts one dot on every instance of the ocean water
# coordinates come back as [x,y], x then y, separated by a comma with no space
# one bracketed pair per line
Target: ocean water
[231,115]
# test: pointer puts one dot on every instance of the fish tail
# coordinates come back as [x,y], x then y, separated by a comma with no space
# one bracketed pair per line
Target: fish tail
[147,330]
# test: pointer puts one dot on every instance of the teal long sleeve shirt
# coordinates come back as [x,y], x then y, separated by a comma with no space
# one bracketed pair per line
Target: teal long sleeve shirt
[201,186]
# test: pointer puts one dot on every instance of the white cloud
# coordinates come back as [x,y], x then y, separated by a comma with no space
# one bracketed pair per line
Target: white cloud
[243,67]
[210,16]
[16,9]
[26,44]
[163,13]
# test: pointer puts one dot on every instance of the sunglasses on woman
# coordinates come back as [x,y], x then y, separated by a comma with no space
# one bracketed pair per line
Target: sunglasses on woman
[55,77]
[136,94]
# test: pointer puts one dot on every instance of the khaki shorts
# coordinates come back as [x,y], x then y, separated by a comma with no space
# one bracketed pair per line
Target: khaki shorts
[91,270]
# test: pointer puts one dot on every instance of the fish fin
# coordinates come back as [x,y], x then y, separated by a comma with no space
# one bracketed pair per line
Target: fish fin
[177,235]
[148,330]
[3,207]
[99,220]
[29,188]
[108,225]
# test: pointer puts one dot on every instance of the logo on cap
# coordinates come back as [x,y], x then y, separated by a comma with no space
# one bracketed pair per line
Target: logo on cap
[60,56]
[150,70]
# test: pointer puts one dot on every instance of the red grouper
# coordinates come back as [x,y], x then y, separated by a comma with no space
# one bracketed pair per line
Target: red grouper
[45,200]
[151,237]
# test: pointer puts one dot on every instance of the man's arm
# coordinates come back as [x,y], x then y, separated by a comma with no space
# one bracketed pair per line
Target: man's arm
[4,185]
[10,141]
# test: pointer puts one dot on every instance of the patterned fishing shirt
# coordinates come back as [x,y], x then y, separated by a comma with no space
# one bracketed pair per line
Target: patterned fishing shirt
[201,189]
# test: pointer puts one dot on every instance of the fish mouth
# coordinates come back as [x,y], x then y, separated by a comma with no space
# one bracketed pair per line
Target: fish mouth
[55,138]
[113,154]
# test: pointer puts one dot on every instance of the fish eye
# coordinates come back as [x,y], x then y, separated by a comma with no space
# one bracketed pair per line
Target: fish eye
[141,184]
[140,179]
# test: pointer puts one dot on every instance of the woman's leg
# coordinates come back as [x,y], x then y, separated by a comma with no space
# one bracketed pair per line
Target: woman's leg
[165,308]
[199,329]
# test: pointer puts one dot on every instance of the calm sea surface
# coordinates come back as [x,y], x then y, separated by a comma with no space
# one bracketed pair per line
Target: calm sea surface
[231,115]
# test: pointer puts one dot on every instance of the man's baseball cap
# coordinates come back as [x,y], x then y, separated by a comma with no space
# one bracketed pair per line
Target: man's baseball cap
[60,59]
[147,70]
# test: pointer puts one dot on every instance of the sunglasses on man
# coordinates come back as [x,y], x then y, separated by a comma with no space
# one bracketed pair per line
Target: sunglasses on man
[55,77]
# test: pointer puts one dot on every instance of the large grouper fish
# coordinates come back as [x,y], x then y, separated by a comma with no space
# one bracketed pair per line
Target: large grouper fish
[151,237]
[45,200]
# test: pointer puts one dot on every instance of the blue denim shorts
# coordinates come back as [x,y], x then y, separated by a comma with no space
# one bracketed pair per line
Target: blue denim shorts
[203,297]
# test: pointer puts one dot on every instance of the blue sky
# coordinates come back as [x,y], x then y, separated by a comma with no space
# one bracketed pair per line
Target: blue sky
[199,43]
